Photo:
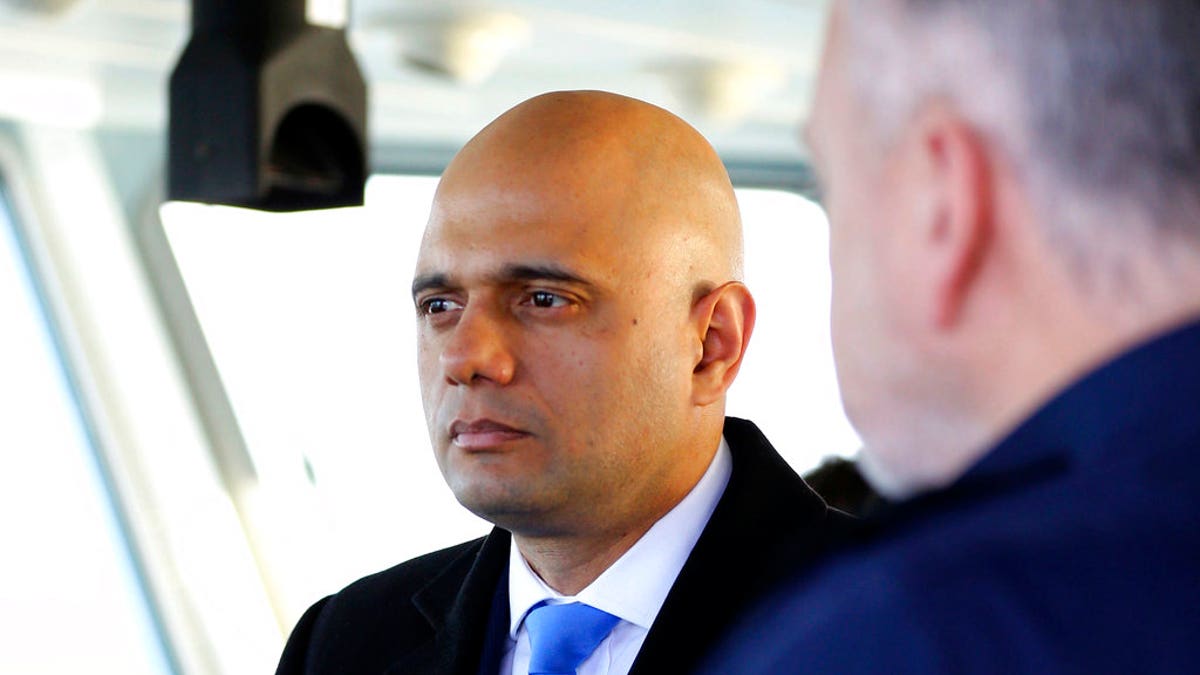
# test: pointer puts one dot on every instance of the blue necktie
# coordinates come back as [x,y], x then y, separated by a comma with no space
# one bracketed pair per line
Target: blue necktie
[562,636]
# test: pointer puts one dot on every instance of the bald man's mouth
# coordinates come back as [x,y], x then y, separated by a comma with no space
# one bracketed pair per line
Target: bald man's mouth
[483,434]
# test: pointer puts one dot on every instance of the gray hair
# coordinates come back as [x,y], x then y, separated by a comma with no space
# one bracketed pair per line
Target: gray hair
[1096,103]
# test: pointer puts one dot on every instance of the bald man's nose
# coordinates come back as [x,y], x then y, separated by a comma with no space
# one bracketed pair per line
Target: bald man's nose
[477,351]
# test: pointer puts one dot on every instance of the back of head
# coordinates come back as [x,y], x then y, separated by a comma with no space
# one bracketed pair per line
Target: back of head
[1096,103]
[1074,199]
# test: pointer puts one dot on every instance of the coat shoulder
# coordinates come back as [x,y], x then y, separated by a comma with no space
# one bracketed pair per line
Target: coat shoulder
[373,620]
[408,577]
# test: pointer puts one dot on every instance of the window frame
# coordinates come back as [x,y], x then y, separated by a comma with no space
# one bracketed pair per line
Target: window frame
[190,551]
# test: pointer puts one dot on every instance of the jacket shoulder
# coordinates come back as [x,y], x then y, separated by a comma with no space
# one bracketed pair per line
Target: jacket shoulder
[373,620]
[767,526]
[408,577]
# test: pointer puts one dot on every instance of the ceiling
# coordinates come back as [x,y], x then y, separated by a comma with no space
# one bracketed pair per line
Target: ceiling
[439,70]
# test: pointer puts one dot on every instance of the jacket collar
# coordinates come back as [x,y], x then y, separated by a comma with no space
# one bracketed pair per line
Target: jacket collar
[1090,425]
[458,604]
[767,524]
[1135,395]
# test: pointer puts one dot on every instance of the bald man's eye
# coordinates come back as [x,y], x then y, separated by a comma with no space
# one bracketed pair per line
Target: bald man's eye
[437,306]
[547,300]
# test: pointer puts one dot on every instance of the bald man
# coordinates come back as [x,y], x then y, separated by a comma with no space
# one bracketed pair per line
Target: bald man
[580,319]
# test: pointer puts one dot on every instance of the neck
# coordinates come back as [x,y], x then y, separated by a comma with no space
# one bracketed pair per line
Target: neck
[1071,328]
[1062,331]
[1017,350]
[569,558]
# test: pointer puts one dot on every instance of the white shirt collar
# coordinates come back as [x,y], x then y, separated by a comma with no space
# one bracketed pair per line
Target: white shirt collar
[635,586]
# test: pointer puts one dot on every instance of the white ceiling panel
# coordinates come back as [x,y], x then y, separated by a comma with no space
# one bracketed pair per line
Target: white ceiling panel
[439,70]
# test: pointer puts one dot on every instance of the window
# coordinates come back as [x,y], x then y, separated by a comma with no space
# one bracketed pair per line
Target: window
[68,571]
[309,322]
[788,385]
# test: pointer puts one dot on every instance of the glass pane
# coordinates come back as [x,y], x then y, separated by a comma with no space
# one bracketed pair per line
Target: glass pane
[310,324]
[787,384]
[70,592]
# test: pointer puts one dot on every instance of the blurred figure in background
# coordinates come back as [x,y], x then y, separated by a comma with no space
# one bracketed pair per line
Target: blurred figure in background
[1014,197]
[579,320]
[842,486]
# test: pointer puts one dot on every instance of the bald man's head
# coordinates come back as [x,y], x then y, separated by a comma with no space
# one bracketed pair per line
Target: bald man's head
[580,318]
[660,181]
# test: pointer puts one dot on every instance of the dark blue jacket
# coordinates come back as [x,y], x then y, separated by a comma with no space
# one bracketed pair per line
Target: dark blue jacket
[1072,547]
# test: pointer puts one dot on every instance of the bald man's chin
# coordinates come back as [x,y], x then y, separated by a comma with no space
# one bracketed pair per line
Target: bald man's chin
[515,513]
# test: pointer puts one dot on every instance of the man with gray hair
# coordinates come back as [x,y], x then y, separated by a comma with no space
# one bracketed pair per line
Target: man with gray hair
[1014,196]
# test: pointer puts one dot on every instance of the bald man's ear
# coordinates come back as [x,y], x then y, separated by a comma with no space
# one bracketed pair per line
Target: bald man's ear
[724,319]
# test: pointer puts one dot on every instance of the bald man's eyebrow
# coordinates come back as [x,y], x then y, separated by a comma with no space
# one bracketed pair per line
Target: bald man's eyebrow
[424,282]
[507,275]
[541,273]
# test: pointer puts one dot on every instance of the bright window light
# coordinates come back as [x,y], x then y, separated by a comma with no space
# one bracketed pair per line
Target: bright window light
[310,324]
[787,384]
[327,13]
[66,568]
[48,99]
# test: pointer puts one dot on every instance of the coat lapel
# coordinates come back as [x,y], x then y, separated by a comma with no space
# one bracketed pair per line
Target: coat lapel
[767,524]
[458,606]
